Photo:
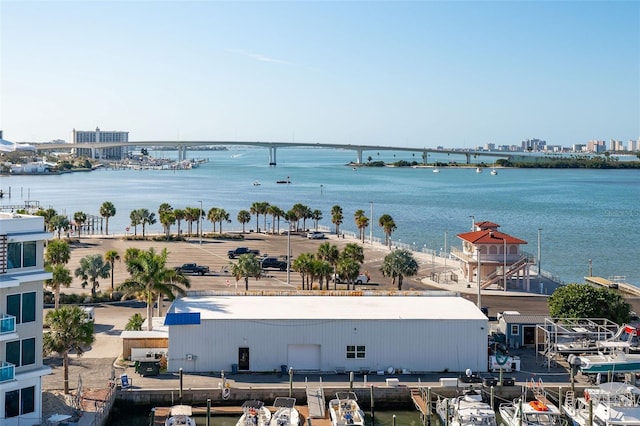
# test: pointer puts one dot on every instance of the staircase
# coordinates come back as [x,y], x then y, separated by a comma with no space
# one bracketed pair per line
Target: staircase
[513,268]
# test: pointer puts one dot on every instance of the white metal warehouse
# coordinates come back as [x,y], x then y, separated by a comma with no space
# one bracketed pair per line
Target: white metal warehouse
[326,333]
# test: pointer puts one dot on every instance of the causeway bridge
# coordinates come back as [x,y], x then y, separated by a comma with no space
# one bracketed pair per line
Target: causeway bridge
[183,146]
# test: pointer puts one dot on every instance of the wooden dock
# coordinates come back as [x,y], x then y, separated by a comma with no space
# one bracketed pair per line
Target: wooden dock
[616,285]
[161,414]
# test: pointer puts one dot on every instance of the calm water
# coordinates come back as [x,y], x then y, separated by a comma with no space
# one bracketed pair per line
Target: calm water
[583,214]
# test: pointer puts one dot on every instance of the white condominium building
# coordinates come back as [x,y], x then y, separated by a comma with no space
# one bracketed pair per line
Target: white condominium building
[22,274]
[109,153]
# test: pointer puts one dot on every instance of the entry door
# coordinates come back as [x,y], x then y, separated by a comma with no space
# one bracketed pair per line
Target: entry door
[529,335]
[243,359]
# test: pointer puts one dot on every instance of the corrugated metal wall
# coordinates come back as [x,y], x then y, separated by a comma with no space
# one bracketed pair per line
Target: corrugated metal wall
[414,345]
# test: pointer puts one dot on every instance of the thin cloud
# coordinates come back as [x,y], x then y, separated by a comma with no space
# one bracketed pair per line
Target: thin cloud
[259,57]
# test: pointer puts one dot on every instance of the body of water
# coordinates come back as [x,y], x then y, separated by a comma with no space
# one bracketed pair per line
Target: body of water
[582,214]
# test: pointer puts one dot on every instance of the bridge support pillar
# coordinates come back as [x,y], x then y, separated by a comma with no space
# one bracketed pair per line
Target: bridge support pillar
[468,155]
[272,156]
[359,160]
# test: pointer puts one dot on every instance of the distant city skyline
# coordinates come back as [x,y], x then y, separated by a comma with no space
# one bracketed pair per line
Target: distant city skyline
[455,74]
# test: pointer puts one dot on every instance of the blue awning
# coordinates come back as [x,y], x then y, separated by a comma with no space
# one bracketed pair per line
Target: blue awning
[185,318]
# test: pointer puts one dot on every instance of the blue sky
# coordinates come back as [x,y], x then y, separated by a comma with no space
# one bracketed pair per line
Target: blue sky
[418,74]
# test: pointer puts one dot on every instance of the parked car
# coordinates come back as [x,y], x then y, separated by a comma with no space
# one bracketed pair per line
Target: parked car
[315,235]
[192,268]
[242,250]
[360,279]
[273,262]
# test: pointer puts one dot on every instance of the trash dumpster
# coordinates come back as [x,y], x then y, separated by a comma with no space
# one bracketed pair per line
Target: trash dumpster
[284,370]
[234,368]
[149,368]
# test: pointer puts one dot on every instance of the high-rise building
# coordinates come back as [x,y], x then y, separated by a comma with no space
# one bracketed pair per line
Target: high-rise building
[21,299]
[89,136]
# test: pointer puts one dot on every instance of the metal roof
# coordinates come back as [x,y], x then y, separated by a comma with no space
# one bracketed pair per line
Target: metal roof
[328,307]
[524,319]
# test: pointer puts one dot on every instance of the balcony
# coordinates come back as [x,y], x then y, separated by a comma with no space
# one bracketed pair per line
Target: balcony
[7,372]
[7,324]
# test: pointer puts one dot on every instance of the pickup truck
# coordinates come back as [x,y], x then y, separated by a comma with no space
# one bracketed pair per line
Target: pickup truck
[192,268]
[273,262]
[360,279]
[242,250]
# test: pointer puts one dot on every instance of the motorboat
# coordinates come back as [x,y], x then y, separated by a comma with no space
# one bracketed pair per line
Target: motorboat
[254,413]
[478,169]
[615,362]
[467,409]
[256,183]
[436,170]
[180,415]
[284,181]
[494,172]
[344,410]
[611,404]
[626,338]
[538,411]
[286,413]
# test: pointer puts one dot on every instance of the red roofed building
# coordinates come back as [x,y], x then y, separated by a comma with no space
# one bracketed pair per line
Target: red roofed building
[497,255]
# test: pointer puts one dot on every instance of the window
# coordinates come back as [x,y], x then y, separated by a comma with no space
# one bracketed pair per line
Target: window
[22,306]
[21,255]
[515,330]
[355,352]
[29,351]
[29,307]
[19,402]
[12,404]
[21,352]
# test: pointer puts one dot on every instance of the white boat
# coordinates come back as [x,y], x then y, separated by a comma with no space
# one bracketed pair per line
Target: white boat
[286,413]
[467,409]
[256,183]
[539,411]
[180,415]
[436,170]
[494,172]
[616,362]
[612,404]
[478,169]
[344,410]
[254,413]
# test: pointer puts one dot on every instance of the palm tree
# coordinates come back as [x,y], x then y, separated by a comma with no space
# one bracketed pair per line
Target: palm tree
[60,277]
[361,222]
[213,215]
[130,254]
[79,218]
[336,217]
[329,253]
[179,214]
[136,219]
[147,218]
[59,223]
[151,277]
[69,331]
[353,251]
[223,216]
[304,265]
[111,256]
[348,269]
[247,266]
[91,268]
[192,214]
[244,217]
[316,215]
[323,270]
[388,225]
[399,264]
[276,213]
[58,252]
[107,210]
[254,209]
[47,214]
[167,218]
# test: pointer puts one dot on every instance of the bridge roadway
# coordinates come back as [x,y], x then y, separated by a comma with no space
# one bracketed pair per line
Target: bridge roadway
[182,147]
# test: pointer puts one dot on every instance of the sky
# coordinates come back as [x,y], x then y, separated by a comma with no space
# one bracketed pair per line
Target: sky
[456,74]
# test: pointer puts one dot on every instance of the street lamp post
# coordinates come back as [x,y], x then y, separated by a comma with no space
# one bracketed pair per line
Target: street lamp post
[473,222]
[371,225]
[539,270]
[200,222]
[289,254]
[445,256]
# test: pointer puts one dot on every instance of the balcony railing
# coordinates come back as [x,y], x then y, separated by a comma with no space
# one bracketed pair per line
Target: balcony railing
[7,371]
[7,324]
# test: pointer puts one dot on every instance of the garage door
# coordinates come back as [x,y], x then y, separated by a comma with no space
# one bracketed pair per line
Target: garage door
[304,357]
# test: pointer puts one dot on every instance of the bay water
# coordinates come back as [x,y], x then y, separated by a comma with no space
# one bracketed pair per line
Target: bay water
[579,214]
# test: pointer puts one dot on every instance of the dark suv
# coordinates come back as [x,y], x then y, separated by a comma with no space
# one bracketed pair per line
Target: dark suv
[274,263]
